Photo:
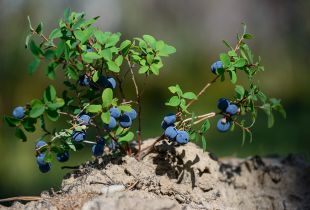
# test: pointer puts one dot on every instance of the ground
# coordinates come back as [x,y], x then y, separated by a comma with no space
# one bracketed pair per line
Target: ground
[182,177]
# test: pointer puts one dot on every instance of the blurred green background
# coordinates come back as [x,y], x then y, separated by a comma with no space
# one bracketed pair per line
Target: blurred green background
[196,29]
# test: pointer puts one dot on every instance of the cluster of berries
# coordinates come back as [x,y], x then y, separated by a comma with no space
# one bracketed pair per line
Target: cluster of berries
[171,133]
[229,109]
[102,82]
[46,166]
[124,119]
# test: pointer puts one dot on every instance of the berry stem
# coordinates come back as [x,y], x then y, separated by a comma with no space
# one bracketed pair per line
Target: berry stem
[139,104]
[144,152]
[203,90]
[21,198]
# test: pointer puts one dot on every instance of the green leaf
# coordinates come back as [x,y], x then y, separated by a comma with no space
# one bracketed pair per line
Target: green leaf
[239,91]
[227,45]
[107,97]
[56,33]
[125,46]
[189,95]
[127,138]
[102,37]
[125,108]
[174,101]
[95,76]
[166,50]
[175,89]
[143,69]
[19,133]
[58,103]
[205,126]
[154,69]
[29,124]
[94,108]
[106,54]
[276,105]
[268,110]
[67,13]
[233,76]
[29,23]
[90,56]
[11,121]
[33,66]
[247,36]
[50,71]
[39,28]
[119,60]
[232,53]
[28,37]
[48,157]
[49,94]
[225,59]
[150,40]
[34,48]
[83,36]
[105,117]
[112,40]
[112,66]
[240,63]
[204,143]
[53,115]
[37,109]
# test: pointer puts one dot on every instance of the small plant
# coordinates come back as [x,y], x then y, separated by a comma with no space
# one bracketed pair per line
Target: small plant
[96,65]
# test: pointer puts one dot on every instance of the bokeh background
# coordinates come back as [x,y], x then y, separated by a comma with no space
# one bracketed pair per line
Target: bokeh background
[196,29]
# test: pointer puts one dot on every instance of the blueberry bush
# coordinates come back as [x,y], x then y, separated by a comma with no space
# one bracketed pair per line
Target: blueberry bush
[96,64]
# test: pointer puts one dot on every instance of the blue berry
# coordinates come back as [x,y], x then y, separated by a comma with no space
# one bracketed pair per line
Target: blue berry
[170,119]
[232,109]
[132,114]
[113,145]
[103,82]
[84,119]
[89,49]
[125,121]
[62,157]
[171,132]
[45,168]
[182,137]
[97,149]
[115,112]
[40,159]
[19,112]
[40,144]
[111,83]
[101,141]
[78,136]
[222,104]
[164,125]
[216,65]
[112,124]
[84,80]
[223,125]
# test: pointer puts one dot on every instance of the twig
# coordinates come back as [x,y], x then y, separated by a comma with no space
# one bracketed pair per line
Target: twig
[150,148]
[203,90]
[21,198]
[139,105]
[204,116]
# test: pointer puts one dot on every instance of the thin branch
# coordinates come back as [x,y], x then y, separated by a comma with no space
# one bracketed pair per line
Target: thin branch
[21,198]
[139,103]
[203,90]
[144,152]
